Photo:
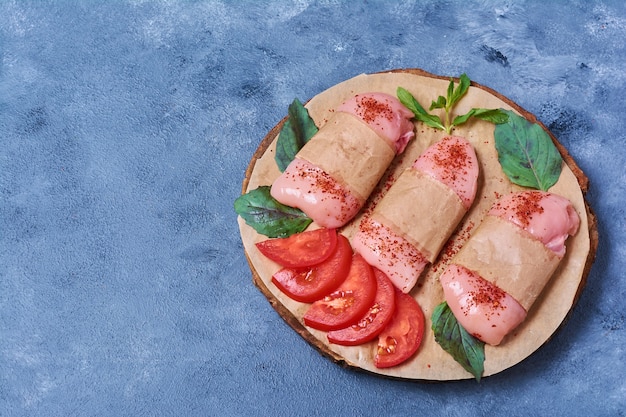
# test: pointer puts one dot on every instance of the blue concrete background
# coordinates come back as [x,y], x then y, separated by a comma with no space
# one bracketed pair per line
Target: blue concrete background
[125,130]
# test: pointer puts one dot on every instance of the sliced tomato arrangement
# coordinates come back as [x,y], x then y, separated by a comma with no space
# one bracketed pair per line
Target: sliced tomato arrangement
[351,300]
[401,338]
[376,318]
[300,250]
[313,283]
[344,306]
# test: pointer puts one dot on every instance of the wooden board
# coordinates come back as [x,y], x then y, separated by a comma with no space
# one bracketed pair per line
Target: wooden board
[431,362]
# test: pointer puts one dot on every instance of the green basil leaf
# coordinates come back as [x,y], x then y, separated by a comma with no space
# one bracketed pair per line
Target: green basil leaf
[459,120]
[461,89]
[450,92]
[527,154]
[468,351]
[269,217]
[409,101]
[430,120]
[295,133]
[439,104]
[496,116]
[420,113]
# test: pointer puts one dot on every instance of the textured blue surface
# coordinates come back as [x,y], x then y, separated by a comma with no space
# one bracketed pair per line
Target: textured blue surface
[125,130]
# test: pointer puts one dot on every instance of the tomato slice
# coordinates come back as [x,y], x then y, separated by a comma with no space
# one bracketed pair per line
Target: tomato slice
[376,318]
[401,338]
[310,284]
[344,306]
[300,250]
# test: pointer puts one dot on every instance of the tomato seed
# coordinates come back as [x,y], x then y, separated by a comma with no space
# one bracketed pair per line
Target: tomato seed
[389,346]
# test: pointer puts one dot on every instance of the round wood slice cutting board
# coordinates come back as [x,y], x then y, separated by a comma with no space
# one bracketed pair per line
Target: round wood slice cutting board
[431,362]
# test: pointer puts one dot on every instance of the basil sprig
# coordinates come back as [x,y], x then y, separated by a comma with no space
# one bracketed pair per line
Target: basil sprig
[269,217]
[454,339]
[527,154]
[447,103]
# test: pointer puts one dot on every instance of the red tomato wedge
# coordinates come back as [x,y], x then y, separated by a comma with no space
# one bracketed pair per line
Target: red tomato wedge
[348,303]
[311,284]
[401,338]
[300,250]
[376,318]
